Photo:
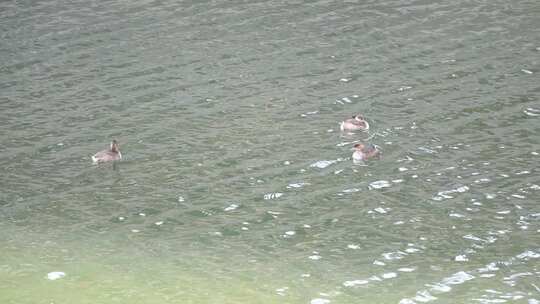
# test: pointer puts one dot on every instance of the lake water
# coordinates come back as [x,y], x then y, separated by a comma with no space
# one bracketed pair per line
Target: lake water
[237,185]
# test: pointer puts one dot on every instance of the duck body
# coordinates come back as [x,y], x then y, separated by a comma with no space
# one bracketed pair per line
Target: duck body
[356,123]
[111,154]
[363,152]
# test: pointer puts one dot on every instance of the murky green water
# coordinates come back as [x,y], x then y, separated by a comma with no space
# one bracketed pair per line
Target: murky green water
[237,185]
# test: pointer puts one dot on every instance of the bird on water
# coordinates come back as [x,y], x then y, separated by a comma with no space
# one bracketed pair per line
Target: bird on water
[356,123]
[363,152]
[107,155]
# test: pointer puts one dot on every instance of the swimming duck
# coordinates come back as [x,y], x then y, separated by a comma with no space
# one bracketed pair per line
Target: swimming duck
[111,154]
[363,152]
[357,122]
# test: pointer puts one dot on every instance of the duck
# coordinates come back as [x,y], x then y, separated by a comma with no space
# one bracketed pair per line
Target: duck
[363,152]
[356,123]
[111,154]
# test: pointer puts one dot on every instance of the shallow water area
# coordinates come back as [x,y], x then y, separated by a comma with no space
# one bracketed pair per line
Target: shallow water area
[237,185]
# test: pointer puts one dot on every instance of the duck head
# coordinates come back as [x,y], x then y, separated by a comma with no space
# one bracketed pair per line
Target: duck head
[359,117]
[358,147]
[114,146]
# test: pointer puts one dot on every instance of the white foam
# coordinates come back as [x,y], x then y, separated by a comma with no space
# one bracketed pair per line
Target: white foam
[491,239]
[382,210]
[55,275]
[275,195]
[379,184]
[404,88]
[473,238]
[427,150]
[406,159]
[482,181]
[532,112]
[424,296]
[297,185]
[281,291]
[389,275]
[461,258]
[518,275]
[457,278]
[439,287]
[353,246]
[314,257]
[355,283]
[231,207]
[393,255]
[412,250]
[528,254]
[309,113]
[323,164]
[319,301]
[406,269]
[488,268]
[446,194]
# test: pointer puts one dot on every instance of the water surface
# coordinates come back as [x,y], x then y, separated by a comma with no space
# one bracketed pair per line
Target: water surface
[237,185]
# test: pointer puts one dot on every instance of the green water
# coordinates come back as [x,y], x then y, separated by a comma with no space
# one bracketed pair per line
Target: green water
[237,185]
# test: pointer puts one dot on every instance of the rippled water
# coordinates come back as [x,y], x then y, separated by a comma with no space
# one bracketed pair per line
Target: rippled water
[237,185]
